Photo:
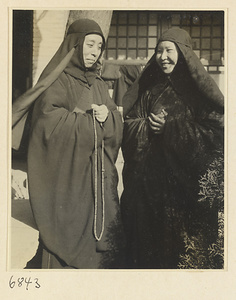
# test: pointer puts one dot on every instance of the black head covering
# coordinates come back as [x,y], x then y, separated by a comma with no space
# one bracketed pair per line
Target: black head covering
[75,39]
[195,72]
[178,36]
[68,51]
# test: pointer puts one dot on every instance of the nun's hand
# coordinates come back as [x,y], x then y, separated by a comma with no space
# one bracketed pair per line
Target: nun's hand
[157,122]
[100,112]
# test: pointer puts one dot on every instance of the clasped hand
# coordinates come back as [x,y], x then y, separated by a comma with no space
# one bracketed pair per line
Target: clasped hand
[157,122]
[100,112]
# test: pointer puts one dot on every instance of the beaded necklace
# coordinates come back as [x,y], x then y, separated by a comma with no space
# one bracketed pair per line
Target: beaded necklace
[98,238]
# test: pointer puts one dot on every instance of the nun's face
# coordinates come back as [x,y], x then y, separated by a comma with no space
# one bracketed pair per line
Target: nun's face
[167,56]
[91,49]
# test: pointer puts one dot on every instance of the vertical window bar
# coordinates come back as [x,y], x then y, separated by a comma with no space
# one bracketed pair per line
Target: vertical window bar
[211,37]
[147,24]
[117,26]
[127,24]
[160,24]
[191,24]
[137,35]
[200,36]
[158,27]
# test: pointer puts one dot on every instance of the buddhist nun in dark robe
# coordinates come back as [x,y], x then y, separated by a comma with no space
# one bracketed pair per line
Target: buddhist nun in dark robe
[173,133]
[75,135]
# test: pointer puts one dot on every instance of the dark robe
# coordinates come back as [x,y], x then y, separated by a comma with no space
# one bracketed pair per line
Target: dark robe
[71,159]
[61,169]
[160,206]
[128,76]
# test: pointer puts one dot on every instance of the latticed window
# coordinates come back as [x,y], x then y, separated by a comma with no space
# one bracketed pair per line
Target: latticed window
[134,34]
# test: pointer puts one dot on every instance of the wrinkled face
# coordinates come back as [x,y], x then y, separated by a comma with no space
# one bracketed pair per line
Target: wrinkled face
[167,56]
[91,49]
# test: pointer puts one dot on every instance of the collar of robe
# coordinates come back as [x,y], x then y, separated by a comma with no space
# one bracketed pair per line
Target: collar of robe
[86,76]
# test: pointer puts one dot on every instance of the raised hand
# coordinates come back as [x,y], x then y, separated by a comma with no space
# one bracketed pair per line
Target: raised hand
[100,112]
[157,122]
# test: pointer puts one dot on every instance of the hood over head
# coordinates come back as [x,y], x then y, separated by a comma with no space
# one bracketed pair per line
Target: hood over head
[194,71]
[74,40]
[68,50]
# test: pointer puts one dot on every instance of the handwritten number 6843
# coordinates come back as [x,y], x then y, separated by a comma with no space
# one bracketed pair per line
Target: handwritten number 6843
[23,281]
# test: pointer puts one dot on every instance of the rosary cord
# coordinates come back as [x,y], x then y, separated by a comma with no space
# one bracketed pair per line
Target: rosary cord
[98,238]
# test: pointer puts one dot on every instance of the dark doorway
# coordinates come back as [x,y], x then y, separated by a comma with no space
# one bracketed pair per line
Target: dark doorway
[22,38]
[22,51]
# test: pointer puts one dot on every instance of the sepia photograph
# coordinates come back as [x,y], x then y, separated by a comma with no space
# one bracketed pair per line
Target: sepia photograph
[118,135]
[101,97]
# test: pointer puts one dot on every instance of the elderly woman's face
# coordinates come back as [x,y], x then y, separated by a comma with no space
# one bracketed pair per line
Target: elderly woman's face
[91,49]
[167,56]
